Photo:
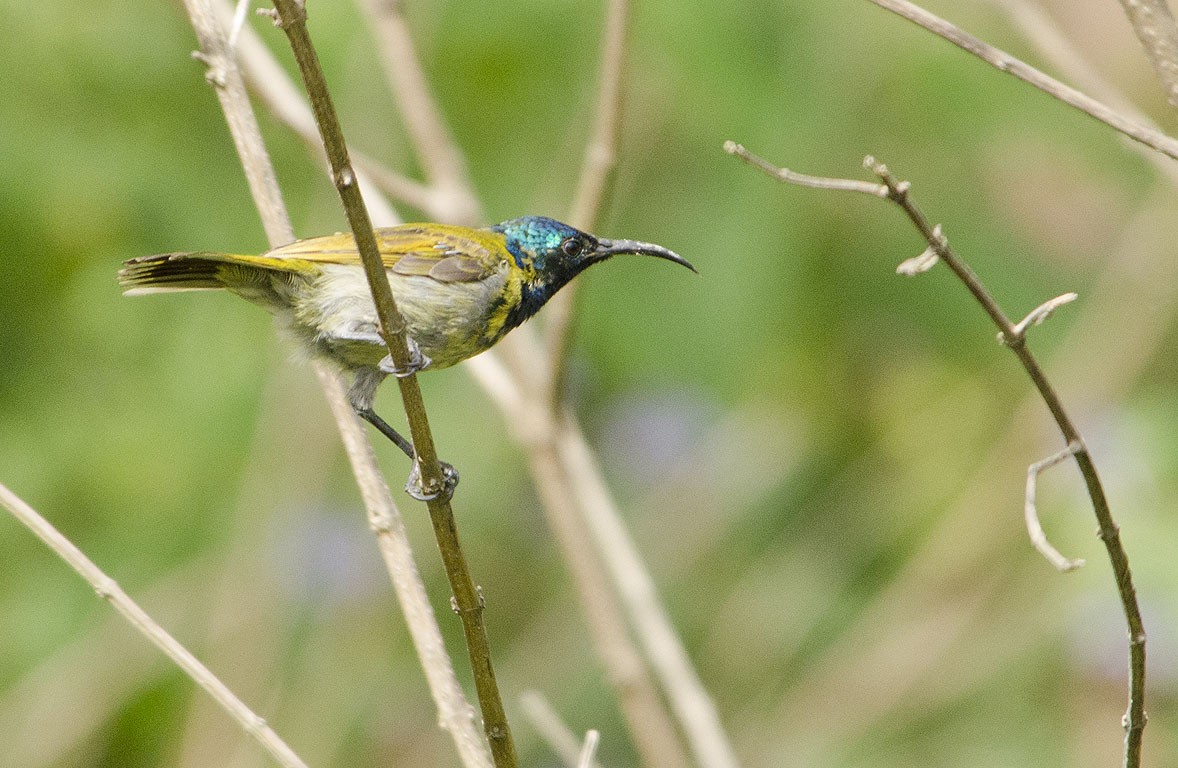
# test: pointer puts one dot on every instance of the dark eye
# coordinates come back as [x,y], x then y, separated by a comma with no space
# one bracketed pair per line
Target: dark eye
[572,246]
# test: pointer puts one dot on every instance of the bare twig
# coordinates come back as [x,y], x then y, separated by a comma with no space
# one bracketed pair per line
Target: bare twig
[109,590]
[1098,358]
[589,750]
[650,728]
[1031,512]
[689,699]
[504,382]
[273,85]
[597,168]
[559,737]
[801,179]
[1134,720]
[1155,28]
[440,156]
[1006,63]
[454,712]
[468,600]
[1042,31]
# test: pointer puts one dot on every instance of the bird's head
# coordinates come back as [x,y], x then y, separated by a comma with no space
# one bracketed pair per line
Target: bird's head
[551,254]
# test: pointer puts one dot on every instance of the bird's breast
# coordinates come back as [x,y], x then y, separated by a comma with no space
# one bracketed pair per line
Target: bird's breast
[450,321]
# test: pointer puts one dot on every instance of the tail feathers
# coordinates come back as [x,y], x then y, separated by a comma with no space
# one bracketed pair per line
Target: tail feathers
[174,272]
[203,271]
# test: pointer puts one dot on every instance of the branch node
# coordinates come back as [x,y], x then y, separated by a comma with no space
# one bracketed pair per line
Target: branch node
[1031,513]
[255,725]
[215,74]
[345,178]
[271,14]
[106,587]
[1108,534]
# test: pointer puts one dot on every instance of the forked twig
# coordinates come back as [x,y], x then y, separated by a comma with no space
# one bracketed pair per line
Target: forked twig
[1014,337]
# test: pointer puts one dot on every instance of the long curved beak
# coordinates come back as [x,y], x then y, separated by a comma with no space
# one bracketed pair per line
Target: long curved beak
[606,248]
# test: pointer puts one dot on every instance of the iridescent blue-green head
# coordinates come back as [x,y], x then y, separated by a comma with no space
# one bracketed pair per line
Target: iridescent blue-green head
[551,254]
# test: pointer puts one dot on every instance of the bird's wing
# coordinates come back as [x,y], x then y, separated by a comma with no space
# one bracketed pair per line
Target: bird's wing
[444,252]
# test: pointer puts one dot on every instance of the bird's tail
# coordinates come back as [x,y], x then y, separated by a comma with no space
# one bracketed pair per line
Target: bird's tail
[199,271]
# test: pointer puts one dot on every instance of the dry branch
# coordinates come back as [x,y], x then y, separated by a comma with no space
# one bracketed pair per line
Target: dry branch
[109,590]
[1014,338]
[1155,28]
[1004,62]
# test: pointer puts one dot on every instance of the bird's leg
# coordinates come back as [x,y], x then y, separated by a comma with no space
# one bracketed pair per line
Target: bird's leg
[360,397]
[385,429]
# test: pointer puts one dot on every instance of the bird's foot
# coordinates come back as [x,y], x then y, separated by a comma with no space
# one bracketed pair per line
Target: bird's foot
[417,361]
[415,485]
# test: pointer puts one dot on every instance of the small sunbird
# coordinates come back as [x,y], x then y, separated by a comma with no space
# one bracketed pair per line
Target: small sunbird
[459,289]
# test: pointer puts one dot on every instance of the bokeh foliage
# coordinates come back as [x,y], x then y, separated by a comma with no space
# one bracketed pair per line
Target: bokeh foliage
[822,461]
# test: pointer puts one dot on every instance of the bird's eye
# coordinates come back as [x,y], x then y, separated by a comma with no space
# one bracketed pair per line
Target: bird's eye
[572,246]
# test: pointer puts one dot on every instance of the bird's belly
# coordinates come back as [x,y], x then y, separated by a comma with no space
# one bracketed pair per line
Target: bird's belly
[449,321]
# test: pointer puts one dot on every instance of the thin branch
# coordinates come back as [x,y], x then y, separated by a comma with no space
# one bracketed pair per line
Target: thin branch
[109,590]
[455,713]
[439,154]
[1031,512]
[468,600]
[271,82]
[559,737]
[225,76]
[589,750]
[651,729]
[689,699]
[503,383]
[1134,720]
[1155,28]
[801,179]
[597,167]
[1006,63]
[1041,31]
[449,699]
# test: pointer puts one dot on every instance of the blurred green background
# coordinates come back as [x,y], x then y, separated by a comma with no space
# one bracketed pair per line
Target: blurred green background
[822,462]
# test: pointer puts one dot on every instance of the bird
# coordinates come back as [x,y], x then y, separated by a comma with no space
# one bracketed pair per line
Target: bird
[459,289]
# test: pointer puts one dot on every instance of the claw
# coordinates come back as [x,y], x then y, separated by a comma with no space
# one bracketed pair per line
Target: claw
[415,487]
[417,361]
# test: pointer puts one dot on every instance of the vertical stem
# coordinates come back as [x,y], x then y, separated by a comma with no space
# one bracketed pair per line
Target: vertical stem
[467,599]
